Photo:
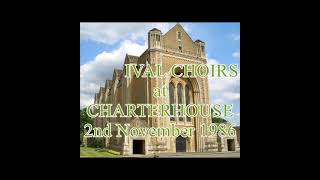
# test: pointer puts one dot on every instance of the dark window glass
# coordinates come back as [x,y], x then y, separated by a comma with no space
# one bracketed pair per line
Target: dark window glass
[187,90]
[171,95]
[180,98]
[187,94]
[202,49]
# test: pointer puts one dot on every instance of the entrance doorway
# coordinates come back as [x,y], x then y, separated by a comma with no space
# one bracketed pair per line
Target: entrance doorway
[181,144]
[138,147]
[231,145]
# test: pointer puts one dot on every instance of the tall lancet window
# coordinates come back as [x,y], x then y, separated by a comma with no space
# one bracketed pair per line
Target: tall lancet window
[187,93]
[179,35]
[171,96]
[180,98]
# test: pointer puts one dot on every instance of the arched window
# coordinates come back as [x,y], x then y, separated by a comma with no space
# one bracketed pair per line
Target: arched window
[171,96]
[187,91]
[180,98]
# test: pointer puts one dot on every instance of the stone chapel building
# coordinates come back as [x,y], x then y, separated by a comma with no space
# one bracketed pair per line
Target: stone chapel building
[173,47]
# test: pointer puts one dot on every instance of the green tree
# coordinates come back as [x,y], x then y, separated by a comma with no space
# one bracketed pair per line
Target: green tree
[218,120]
[84,119]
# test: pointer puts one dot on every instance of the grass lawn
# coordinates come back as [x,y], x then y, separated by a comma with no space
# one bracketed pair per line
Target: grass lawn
[91,152]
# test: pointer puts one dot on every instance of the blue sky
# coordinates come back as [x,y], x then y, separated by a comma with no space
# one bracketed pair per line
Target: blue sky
[103,47]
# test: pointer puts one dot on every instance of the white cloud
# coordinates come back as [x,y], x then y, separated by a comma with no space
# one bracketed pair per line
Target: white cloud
[111,33]
[232,96]
[225,90]
[94,74]
[212,61]
[235,37]
[97,71]
[234,120]
[236,55]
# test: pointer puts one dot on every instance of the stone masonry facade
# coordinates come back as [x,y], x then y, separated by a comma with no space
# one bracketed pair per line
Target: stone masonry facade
[173,47]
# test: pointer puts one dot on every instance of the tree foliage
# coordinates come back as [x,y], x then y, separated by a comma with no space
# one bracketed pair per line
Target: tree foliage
[218,120]
[84,119]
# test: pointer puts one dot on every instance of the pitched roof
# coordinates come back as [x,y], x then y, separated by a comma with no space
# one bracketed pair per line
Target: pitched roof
[109,82]
[178,25]
[102,90]
[132,59]
[118,71]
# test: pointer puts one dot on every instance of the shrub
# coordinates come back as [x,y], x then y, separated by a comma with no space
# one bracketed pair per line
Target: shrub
[96,142]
